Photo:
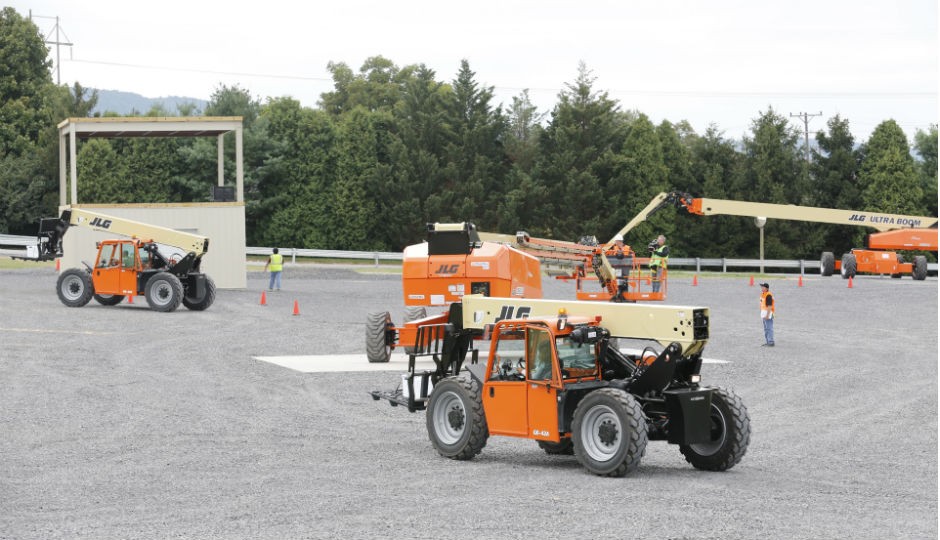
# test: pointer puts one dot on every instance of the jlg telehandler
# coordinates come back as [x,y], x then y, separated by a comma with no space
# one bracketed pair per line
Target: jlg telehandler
[551,375]
[130,267]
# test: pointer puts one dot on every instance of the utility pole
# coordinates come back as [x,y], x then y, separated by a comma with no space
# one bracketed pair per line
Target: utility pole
[805,117]
[57,29]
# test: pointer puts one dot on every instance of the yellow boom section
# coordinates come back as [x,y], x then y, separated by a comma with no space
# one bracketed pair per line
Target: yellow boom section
[126,227]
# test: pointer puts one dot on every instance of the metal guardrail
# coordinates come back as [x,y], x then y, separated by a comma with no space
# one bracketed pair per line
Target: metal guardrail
[377,256]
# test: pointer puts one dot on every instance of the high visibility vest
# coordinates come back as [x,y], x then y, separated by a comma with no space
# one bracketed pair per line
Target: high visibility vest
[659,257]
[763,302]
[277,262]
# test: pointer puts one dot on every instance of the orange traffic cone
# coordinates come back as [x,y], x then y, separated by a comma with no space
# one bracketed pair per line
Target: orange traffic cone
[695,280]
[296,308]
[130,299]
[264,299]
[800,283]
[57,263]
[752,281]
[850,282]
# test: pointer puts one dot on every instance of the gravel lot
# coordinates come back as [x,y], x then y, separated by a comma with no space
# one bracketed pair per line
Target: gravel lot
[119,422]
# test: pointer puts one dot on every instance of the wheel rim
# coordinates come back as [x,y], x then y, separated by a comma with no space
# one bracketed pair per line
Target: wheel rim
[73,288]
[719,433]
[161,293]
[601,433]
[450,418]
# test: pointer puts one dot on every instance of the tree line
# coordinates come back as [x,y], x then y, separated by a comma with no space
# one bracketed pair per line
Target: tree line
[391,148]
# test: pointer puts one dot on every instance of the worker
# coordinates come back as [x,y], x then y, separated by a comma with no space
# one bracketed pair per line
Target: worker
[658,258]
[767,314]
[276,263]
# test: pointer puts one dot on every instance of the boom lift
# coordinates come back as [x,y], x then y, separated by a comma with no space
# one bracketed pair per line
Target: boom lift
[896,231]
[130,267]
[550,375]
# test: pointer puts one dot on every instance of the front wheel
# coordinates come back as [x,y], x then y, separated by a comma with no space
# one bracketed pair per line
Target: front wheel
[200,303]
[75,288]
[164,292]
[849,266]
[455,419]
[827,263]
[609,432]
[920,268]
[730,434]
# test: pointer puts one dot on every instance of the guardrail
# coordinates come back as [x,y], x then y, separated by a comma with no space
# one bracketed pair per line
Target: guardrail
[376,257]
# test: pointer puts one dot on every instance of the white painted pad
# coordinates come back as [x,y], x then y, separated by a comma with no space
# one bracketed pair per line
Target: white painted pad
[346,362]
[358,362]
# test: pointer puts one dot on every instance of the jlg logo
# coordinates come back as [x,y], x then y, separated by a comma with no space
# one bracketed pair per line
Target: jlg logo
[506,313]
[102,223]
[448,269]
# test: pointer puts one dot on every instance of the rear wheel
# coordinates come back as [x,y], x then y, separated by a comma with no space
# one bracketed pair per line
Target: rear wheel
[200,303]
[920,268]
[729,435]
[827,263]
[377,350]
[164,292]
[109,299]
[848,266]
[455,419]
[609,432]
[74,287]
[563,448]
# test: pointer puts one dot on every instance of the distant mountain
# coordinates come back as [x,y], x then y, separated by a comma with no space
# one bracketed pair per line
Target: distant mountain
[124,103]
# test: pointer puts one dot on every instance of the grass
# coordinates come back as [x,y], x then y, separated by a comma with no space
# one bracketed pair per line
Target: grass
[16,264]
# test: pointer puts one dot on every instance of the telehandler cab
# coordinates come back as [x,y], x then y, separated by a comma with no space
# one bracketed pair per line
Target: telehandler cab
[551,375]
[130,267]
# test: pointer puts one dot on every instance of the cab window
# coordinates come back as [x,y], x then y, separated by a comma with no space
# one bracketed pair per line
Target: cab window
[509,361]
[575,355]
[540,355]
[127,255]
[107,256]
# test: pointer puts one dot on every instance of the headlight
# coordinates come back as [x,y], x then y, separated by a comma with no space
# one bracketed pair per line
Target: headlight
[695,378]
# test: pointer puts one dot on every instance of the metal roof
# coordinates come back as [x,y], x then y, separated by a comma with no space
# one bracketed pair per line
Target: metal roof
[112,127]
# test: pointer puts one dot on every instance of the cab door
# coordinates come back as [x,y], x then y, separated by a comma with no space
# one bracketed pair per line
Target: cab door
[128,277]
[504,392]
[542,381]
[107,274]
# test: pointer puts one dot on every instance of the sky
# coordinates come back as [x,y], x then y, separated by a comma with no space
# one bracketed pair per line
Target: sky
[720,62]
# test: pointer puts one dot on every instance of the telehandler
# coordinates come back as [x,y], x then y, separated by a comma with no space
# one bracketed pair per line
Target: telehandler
[551,375]
[130,267]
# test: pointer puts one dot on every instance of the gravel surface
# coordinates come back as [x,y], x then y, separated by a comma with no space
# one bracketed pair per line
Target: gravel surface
[120,422]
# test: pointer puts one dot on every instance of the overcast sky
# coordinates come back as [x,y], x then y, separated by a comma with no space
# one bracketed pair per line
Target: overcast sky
[705,61]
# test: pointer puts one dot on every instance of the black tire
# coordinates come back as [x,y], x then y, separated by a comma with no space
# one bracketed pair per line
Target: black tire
[848,266]
[74,287]
[455,419]
[827,263]
[109,299]
[920,268]
[609,432]
[377,351]
[201,303]
[730,435]
[413,313]
[164,292]
[563,448]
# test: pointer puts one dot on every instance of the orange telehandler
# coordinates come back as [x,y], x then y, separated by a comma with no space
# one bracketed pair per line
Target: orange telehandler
[896,231]
[130,267]
[551,375]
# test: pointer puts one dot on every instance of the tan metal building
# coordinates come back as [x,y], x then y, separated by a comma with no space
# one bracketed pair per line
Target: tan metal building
[222,221]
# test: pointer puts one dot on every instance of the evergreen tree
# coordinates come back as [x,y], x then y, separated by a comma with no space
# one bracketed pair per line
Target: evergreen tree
[926,144]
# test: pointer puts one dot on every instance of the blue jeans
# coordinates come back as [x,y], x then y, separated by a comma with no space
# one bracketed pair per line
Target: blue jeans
[275,277]
[769,331]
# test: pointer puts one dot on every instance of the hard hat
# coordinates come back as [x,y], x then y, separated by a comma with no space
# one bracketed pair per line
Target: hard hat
[618,238]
